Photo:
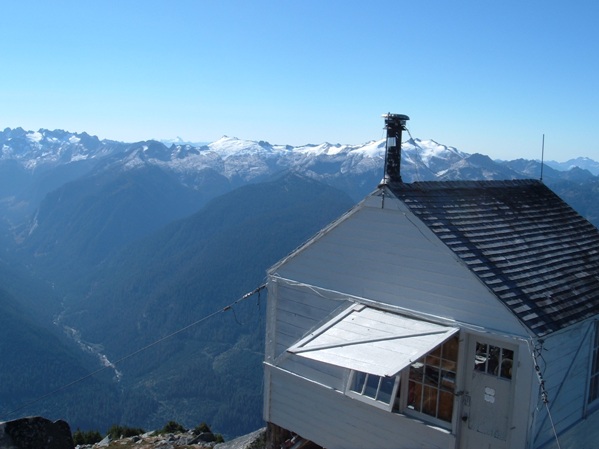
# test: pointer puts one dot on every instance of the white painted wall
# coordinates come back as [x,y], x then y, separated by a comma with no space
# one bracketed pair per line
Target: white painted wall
[388,255]
[336,421]
[565,368]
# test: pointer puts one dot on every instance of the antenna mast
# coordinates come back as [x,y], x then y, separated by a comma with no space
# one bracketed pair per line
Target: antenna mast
[542,156]
[394,124]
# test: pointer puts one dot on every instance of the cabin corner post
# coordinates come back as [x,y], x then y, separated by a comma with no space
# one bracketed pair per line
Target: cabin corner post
[271,319]
[269,344]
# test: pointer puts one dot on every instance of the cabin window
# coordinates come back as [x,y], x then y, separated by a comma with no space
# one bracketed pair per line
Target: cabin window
[431,382]
[425,388]
[594,374]
[377,390]
[494,360]
[396,363]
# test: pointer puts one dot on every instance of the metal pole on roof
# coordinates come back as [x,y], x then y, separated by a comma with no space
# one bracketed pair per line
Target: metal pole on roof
[542,156]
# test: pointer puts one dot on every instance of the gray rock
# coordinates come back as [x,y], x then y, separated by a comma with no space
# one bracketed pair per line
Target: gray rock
[207,437]
[105,441]
[243,442]
[35,433]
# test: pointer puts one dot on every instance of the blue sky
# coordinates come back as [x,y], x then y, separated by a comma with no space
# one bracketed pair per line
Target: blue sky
[483,76]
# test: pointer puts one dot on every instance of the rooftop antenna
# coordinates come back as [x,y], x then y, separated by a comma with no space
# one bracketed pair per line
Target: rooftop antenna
[542,156]
[394,124]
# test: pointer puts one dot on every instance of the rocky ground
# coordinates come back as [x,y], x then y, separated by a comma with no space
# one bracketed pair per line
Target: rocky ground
[186,440]
[40,433]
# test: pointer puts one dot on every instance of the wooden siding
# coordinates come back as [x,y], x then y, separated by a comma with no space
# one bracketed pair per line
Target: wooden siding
[336,421]
[299,311]
[585,434]
[388,255]
[293,313]
[565,368]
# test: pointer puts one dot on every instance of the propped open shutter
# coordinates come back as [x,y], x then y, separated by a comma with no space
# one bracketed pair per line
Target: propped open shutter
[372,341]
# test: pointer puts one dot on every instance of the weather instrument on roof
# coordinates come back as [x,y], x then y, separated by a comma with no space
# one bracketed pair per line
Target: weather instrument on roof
[394,124]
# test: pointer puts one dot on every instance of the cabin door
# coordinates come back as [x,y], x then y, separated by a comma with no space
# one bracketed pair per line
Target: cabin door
[488,395]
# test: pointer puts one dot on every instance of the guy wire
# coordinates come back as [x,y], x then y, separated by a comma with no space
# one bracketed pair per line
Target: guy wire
[134,353]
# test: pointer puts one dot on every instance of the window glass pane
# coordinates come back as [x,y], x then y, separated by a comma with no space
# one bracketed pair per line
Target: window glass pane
[445,406]
[431,376]
[416,371]
[508,354]
[429,401]
[385,389]
[505,370]
[448,365]
[375,388]
[450,349]
[358,383]
[433,360]
[372,385]
[493,360]
[480,362]
[448,380]
[414,396]
[436,352]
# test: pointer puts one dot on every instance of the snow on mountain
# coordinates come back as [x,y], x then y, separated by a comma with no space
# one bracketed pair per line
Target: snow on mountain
[325,148]
[35,149]
[246,160]
[227,147]
[180,141]
[34,136]
[431,155]
[228,155]
[428,150]
[375,148]
[243,161]
[236,159]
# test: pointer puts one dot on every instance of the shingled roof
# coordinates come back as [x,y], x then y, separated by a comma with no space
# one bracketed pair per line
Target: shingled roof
[529,247]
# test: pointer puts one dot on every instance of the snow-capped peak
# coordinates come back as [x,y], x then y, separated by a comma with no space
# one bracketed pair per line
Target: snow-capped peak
[34,136]
[179,141]
[430,153]
[226,147]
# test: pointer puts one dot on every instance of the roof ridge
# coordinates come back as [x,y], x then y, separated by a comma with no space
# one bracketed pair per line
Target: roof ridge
[456,184]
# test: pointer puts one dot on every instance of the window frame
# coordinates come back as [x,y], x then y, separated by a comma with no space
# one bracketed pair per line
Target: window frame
[403,407]
[349,391]
[494,359]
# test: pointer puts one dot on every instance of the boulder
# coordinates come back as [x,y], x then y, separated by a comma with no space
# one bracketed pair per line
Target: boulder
[35,433]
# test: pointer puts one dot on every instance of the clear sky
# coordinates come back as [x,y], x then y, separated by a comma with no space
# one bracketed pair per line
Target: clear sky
[484,76]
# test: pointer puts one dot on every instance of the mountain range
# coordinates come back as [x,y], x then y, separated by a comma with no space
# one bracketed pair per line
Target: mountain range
[108,247]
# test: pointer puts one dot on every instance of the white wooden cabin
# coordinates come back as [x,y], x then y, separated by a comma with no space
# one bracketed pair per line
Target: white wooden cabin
[439,315]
